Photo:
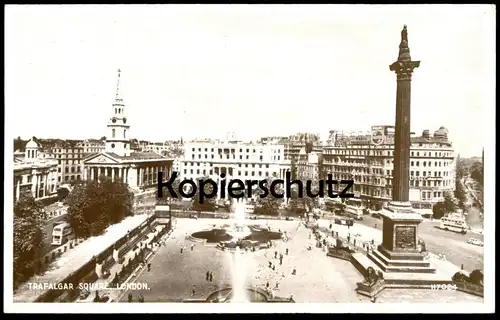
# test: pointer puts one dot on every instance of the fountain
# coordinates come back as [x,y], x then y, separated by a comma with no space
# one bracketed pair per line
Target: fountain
[233,238]
[238,271]
[237,233]
[239,229]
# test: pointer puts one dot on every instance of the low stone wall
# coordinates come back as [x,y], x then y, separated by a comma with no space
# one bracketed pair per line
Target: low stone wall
[339,254]
[470,288]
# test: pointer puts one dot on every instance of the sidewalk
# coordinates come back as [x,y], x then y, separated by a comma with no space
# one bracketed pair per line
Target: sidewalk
[116,269]
[72,260]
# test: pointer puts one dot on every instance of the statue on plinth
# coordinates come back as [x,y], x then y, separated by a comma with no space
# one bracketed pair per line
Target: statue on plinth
[404,34]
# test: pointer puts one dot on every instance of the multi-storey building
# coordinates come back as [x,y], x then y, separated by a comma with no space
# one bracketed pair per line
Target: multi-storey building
[34,172]
[69,155]
[309,165]
[368,160]
[91,146]
[238,160]
[295,143]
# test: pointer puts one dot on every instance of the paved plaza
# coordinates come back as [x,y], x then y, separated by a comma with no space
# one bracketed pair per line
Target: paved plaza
[318,279]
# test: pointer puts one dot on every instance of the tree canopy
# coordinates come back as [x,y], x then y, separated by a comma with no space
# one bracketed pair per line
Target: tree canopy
[96,204]
[268,205]
[29,218]
[450,204]
[477,172]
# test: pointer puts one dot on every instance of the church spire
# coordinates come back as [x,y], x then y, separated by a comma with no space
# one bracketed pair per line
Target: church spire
[118,85]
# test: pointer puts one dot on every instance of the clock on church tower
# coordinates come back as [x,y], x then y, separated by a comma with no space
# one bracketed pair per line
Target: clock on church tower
[117,138]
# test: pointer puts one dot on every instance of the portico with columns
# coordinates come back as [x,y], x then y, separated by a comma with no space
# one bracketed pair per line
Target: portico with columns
[118,162]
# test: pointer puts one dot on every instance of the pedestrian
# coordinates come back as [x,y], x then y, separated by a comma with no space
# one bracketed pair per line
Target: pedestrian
[130,297]
[373,241]
[331,226]
[354,242]
[267,285]
[281,256]
[294,272]
[211,279]
[274,267]
[192,247]
[207,277]
[286,251]
[277,285]
[462,267]
[275,254]
[182,249]
[141,298]
[149,267]
[193,291]
[270,264]
[281,261]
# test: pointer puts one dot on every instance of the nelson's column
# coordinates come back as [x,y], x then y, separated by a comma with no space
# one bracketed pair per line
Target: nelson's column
[399,251]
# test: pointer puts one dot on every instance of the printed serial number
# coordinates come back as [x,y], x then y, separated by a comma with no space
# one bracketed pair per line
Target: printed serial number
[444,287]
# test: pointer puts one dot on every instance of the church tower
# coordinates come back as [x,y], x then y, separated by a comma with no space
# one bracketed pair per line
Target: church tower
[117,136]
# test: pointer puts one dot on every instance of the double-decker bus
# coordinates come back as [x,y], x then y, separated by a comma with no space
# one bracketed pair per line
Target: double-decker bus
[61,233]
[354,208]
[454,222]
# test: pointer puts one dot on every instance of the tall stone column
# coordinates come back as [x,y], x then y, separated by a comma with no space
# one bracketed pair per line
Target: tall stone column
[403,68]
[399,251]
[112,173]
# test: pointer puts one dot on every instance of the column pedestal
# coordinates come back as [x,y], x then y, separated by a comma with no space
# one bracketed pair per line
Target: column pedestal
[399,251]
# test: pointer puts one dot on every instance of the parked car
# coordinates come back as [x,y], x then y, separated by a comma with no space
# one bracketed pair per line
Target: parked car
[475,242]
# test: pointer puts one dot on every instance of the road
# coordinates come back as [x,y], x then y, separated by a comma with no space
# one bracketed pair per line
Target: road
[475,216]
[453,245]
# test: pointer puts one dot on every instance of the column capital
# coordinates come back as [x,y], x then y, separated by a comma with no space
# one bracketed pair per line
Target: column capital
[404,69]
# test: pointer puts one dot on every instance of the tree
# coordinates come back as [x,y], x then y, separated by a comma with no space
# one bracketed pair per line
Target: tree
[208,203]
[268,205]
[29,217]
[460,193]
[476,276]
[96,204]
[19,144]
[450,202]
[477,171]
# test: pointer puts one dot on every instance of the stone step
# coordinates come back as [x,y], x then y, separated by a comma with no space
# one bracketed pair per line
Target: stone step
[402,263]
[407,269]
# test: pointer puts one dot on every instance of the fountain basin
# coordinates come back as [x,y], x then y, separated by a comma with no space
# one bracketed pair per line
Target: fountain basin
[243,236]
[225,295]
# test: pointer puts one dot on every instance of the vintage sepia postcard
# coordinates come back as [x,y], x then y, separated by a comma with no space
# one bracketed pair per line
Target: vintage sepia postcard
[249,158]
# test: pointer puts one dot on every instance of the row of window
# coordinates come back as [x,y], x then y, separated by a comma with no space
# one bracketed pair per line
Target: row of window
[72,150]
[246,165]
[67,162]
[73,169]
[240,173]
[230,150]
[436,154]
[429,163]
[227,157]
[429,173]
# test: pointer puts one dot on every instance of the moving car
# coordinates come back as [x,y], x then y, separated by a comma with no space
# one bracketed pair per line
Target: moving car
[475,242]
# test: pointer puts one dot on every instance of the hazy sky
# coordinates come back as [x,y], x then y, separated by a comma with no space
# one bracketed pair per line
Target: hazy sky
[201,71]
